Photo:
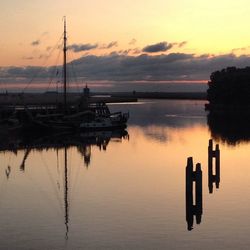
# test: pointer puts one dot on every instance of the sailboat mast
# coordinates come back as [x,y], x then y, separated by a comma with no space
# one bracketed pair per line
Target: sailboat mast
[64,66]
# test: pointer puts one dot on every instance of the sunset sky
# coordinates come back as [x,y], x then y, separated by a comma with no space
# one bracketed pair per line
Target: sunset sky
[113,40]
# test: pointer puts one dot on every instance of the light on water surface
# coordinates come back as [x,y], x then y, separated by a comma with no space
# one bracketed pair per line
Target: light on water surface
[126,191]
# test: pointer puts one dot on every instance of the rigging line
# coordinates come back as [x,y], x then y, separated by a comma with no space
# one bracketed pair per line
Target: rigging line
[73,71]
[10,159]
[52,183]
[54,71]
[57,162]
[3,184]
[75,180]
[2,188]
[43,192]
[43,64]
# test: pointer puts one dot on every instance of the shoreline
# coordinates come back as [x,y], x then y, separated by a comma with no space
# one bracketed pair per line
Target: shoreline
[50,98]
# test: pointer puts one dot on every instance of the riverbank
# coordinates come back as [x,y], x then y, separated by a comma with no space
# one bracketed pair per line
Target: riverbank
[163,95]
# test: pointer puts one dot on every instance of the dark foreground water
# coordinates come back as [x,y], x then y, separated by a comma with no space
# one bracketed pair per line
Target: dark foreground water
[127,190]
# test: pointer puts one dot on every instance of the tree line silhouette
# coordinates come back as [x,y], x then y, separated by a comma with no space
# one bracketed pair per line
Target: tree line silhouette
[230,86]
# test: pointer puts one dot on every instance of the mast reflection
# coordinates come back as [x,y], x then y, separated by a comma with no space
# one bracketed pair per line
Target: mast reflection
[66,189]
[83,142]
[193,208]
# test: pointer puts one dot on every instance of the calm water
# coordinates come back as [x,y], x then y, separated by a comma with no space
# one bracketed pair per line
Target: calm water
[127,190]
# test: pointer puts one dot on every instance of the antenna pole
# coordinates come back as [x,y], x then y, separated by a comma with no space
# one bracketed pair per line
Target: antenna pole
[64,67]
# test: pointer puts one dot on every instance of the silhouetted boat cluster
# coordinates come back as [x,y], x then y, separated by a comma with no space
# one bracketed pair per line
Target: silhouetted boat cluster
[82,115]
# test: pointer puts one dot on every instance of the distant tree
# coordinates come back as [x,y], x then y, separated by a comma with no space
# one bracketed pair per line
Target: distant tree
[230,86]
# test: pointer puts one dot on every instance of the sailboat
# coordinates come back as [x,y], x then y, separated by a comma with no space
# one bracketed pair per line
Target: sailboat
[83,116]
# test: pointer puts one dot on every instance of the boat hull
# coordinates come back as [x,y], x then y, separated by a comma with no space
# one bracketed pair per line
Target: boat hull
[62,126]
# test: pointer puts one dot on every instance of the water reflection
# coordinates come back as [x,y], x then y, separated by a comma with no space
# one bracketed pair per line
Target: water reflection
[172,113]
[193,208]
[129,196]
[62,141]
[83,142]
[7,172]
[213,178]
[156,117]
[66,191]
[229,127]
[195,178]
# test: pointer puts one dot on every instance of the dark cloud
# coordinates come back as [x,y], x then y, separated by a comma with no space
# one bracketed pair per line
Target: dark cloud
[82,47]
[42,37]
[36,43]
[109,45]
[158,47]
[28,71]
[174,66]
[124,52]
[124,67]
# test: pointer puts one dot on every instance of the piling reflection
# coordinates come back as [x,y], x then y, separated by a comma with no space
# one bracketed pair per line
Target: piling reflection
[193,207]
[213,177]
[195,177]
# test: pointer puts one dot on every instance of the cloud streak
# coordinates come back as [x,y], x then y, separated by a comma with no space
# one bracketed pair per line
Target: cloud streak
[240,49]
[109,45]
[82,47]
[158,47]
[182,44]
[87,47]
[35,43]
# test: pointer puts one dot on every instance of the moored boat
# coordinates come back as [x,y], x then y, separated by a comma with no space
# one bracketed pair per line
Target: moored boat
[82,115]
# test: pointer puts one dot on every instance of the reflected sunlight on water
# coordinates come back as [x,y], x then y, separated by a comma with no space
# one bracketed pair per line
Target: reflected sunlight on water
[125,191]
